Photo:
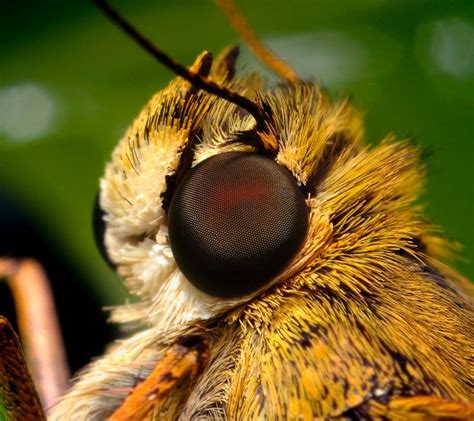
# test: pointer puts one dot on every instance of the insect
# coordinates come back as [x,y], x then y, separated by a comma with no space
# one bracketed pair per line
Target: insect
[282,268]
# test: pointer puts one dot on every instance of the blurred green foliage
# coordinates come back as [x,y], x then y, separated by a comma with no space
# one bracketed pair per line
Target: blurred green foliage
[70,83]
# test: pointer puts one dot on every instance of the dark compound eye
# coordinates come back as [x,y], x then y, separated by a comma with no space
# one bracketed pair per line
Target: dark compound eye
[235,222]
[98,225]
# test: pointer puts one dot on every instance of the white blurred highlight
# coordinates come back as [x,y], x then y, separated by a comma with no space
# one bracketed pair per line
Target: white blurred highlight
[338,57]
[447,46]
[27,112]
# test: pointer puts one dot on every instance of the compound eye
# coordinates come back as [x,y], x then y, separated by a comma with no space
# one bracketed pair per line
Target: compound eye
[236,221]
[98,225]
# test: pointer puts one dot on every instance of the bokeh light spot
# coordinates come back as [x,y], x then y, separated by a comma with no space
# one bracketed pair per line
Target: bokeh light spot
[337,57]
[27,112]
[447,46]
[331,56]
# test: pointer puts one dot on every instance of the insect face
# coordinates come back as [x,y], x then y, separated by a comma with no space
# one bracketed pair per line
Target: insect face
[282,269]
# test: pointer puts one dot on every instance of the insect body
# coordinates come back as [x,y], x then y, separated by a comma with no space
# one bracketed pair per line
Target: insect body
[353,314]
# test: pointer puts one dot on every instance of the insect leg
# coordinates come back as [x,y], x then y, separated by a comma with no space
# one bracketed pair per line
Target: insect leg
[38,326]
[413,407]
[18,397]
[185,359]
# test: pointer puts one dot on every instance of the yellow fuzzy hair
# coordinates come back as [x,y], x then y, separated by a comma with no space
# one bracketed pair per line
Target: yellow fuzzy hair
[366,316]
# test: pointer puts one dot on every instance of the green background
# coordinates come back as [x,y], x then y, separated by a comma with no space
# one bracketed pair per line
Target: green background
[70,83]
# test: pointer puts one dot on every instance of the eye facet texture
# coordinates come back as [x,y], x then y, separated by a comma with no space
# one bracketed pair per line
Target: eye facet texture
[235,222]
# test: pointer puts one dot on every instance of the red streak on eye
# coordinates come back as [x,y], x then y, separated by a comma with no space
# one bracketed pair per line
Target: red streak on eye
[233,195]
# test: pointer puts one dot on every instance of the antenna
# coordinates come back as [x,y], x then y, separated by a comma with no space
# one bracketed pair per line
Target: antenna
[243,28]
[194,78]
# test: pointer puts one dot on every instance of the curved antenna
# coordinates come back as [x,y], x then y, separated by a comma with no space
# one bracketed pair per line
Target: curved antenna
[243,28]
[194,78]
